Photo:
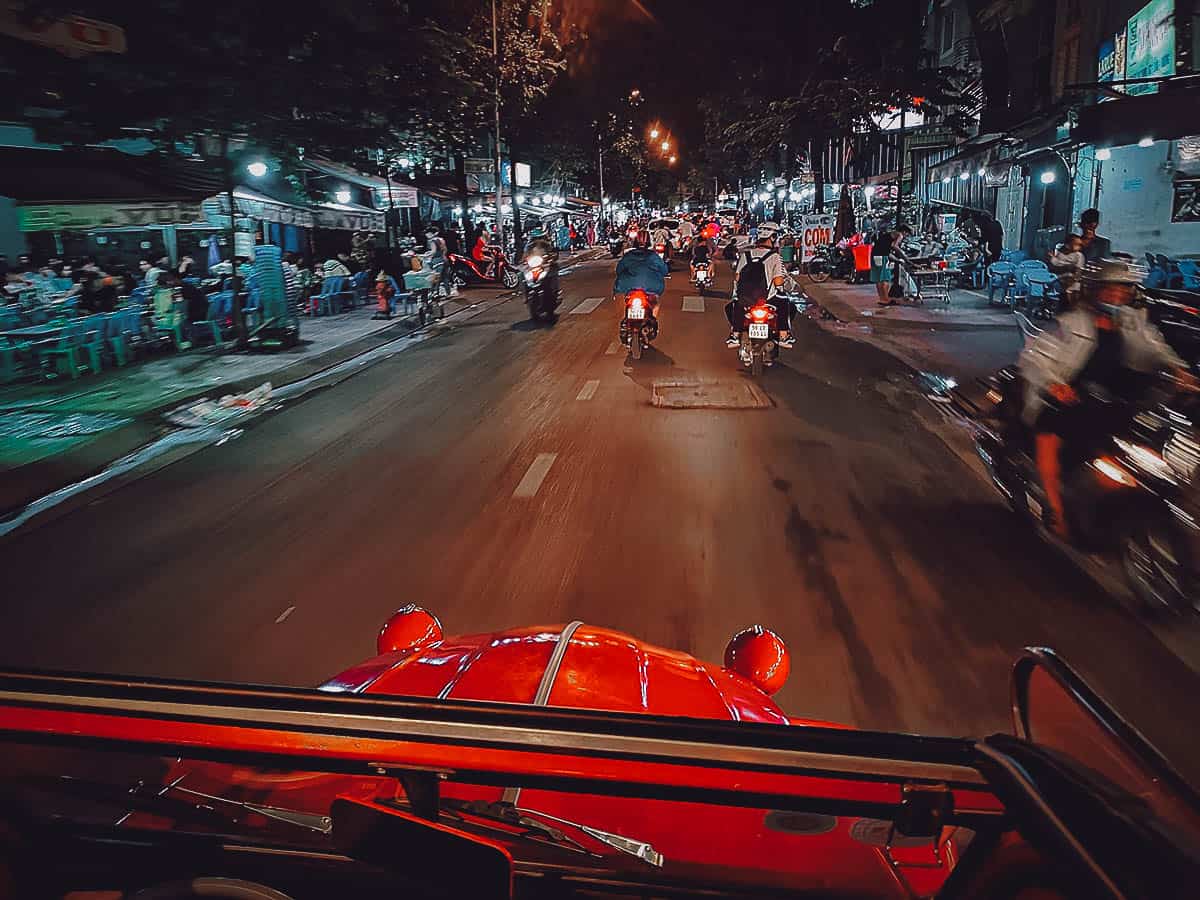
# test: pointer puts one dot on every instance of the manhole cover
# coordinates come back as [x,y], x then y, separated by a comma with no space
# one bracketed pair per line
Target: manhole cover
[741,394]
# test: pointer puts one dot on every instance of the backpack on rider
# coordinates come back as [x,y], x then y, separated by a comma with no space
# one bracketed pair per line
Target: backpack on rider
[752,281]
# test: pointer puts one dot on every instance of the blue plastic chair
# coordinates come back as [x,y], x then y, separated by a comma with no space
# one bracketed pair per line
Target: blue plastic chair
[337,294]
[1001,275]
[1012,256]
[1190,270]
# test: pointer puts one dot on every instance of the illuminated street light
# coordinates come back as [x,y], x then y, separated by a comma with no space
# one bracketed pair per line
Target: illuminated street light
[1103,153]
[342,197]
[672,160]
[1048,177]
[654,134]
[666,145]
[257,169]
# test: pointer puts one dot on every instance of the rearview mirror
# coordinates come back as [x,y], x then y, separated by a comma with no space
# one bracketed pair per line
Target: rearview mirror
[1054,708]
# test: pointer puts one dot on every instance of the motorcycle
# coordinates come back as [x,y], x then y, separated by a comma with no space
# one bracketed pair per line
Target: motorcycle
[1128,494]
[639,326]
[465,271]
[702,278]
[541,302]
[615,245]
[760,335]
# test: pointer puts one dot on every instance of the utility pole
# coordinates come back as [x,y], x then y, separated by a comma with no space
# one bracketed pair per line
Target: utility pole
[600,151]
[499,162]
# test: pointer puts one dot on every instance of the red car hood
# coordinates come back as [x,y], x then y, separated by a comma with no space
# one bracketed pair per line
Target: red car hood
[599,669]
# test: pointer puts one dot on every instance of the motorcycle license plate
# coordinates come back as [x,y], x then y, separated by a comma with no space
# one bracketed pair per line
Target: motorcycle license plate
[759,331]
[636,312]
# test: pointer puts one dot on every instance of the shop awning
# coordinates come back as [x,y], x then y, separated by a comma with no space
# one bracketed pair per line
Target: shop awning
[253,205]
[976,154]
[346,173]
[1168,115]
[348,217]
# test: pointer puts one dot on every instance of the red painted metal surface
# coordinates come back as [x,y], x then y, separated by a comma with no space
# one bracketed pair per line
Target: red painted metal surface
[599,669]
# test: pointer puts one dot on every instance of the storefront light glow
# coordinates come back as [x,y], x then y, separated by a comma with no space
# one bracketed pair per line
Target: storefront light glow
[869,191]
[1146,142]
[521,198]
[945,179]
[1103,153]
[964,176]
[342,197]
[404,162]
[781,194]
[980,172]
[537,201]
[478,207]
[547,199]
[1048,178]
[257,169]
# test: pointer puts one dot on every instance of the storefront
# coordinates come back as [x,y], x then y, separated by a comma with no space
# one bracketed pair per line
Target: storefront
[1147,169]
[259,218]
[346,228]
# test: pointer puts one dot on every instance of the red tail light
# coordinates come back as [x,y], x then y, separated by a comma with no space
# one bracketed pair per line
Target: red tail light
[636,299]
[760,313]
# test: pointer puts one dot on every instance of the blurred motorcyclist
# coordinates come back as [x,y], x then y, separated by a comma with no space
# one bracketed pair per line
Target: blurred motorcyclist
[540,246]
[641,268]
[1102,341]
[745,293]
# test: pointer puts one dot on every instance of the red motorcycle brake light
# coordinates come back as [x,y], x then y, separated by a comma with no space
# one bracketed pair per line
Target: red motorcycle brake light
[636,299]
[759,312]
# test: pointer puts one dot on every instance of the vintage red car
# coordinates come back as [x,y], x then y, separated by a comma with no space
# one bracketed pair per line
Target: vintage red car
[569,761]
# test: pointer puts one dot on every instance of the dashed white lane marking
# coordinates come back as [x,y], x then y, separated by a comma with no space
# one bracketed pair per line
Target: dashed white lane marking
[588,391]
[587,306]
[613,349]
[535,475]
[283,615]
[693,304]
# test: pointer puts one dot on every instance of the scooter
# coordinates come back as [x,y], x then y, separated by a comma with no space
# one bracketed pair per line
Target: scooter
[702,278]
[1126,494]
[760,338]
[639,326]
[541,301]
[615,245]
[465,271]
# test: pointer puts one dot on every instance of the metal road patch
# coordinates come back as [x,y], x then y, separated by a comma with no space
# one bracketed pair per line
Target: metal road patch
[739,394]
[693,304]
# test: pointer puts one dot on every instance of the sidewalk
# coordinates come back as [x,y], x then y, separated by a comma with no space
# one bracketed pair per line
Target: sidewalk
[859,303]
[56,433]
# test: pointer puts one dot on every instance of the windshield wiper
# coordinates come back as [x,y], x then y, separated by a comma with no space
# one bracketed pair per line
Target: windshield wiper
[640,849]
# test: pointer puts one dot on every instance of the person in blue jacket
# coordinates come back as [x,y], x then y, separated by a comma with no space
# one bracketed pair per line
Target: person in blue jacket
[642,268]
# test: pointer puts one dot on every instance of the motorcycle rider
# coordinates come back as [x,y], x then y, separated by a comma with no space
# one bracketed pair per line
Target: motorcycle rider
[701,254]
[767,267]
[1102,341]
[540,245]
[662,236]
[641,268]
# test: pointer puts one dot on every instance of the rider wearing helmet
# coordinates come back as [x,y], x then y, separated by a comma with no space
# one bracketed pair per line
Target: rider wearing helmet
[641,268]
[768,268]
[1104,342]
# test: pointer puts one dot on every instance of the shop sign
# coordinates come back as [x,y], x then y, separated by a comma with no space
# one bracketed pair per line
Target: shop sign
[522,174]
[403,196]
[1186,203]
[342,220]
[217,210]
[815,231]
[71,35]
[474,165]
[86,216]
[1150,44]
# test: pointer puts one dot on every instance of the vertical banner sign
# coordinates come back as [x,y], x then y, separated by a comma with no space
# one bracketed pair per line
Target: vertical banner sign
[1150,44]
[815,231]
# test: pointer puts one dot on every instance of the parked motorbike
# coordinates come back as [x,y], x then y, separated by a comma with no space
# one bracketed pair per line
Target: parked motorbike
[1129,496]
[615,245]
[760,335]
[639,326]
[542,301]
[702,278]
[465,271]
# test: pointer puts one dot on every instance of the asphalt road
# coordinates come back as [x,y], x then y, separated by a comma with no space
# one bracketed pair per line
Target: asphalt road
[840,517]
